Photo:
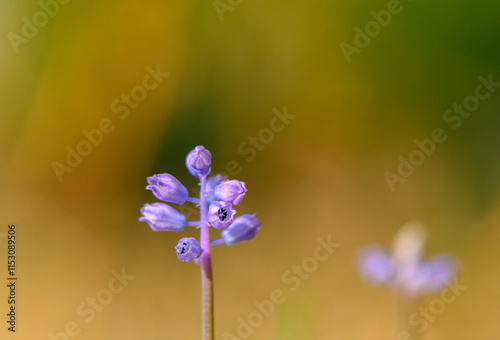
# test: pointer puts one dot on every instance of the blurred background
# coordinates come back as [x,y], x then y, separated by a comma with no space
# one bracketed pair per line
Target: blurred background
[76,69]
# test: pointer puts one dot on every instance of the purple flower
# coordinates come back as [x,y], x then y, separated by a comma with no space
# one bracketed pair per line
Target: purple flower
[220,214]
[230,191]
[212,181]
[167,188]
[404,269]
[244,228]
[210,184]
[188,249]
[198,161]
[216,201]
[162,217]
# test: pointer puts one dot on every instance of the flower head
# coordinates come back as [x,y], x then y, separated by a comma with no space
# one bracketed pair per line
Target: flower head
[404,269]
[162,217]
[198,161]
[220,214]
[216,199]
[244,228]
[188,249]
[167,188]
[230,191]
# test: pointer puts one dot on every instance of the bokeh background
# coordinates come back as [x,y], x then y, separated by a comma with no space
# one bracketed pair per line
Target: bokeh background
[322,175]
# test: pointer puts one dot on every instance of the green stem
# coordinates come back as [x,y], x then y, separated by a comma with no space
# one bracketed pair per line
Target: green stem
[207,293]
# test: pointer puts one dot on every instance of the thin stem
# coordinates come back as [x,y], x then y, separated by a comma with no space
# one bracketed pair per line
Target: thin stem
[193,200]
[406,307]
[207,295]
[192,223]
[216,242]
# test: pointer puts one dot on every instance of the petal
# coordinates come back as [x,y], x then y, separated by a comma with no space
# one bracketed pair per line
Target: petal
[376,265]
[435,273]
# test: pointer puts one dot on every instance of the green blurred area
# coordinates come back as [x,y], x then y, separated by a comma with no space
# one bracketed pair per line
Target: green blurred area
[323,174]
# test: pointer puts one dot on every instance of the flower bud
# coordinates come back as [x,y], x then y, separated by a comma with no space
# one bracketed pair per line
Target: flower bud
[230,191]
[162,217]
[243,228]
[220,214]
[198,161]
[212,181]
[167,188]
[188,249]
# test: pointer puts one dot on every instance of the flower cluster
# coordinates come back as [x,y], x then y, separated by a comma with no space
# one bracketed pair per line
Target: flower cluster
[218,195]
[404,269]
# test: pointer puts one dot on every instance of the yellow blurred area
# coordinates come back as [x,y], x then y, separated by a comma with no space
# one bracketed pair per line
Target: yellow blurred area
[88,113]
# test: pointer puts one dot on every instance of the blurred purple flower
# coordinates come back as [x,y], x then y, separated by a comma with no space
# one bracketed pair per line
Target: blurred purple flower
[377,265]
[404,269]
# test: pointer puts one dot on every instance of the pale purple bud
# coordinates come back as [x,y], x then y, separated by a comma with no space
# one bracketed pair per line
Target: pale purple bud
[198,161]
[243,228]
[167,188]
[162,217]
[212,181]
[230,191]
[188,249]
[220,214]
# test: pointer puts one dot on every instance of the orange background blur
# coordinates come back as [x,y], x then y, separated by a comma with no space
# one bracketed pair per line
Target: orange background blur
[321,175]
